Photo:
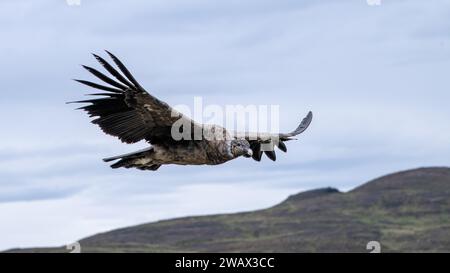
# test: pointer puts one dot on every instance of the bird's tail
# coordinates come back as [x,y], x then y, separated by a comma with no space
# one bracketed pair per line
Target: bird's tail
[130,160]
[132,154]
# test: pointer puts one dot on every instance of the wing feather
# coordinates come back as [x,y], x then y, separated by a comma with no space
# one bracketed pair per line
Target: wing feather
[126,110]
[113,71]
[257,139]
[124,70]
[98,86]
[282,146]
[271,155]
[300,129]
[104,78]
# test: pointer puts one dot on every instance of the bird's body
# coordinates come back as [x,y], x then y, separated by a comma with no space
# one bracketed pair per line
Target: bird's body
[179,153]
[128,112]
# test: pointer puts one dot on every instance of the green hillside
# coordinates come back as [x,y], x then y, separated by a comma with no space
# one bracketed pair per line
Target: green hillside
[406,211]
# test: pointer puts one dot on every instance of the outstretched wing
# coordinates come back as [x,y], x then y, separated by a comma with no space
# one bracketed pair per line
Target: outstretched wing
[126,110]
[264,142]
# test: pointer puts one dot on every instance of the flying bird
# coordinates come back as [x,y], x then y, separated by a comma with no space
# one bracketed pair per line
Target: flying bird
[124,109]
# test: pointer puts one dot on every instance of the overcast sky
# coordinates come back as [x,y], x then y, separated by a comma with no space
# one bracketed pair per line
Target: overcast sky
[376,78]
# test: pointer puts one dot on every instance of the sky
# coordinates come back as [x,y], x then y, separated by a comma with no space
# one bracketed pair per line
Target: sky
[375,76]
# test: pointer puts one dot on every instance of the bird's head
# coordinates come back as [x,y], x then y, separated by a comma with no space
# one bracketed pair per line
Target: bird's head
[241,147]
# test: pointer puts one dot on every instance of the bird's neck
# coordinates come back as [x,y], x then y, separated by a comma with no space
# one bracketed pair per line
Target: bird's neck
[228,149]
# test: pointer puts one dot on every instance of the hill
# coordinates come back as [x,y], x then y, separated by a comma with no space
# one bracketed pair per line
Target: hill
[407,211]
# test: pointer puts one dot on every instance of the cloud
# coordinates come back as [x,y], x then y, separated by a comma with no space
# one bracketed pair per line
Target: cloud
[375,78]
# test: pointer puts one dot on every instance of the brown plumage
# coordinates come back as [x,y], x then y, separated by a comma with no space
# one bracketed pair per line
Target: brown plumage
[125,110]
